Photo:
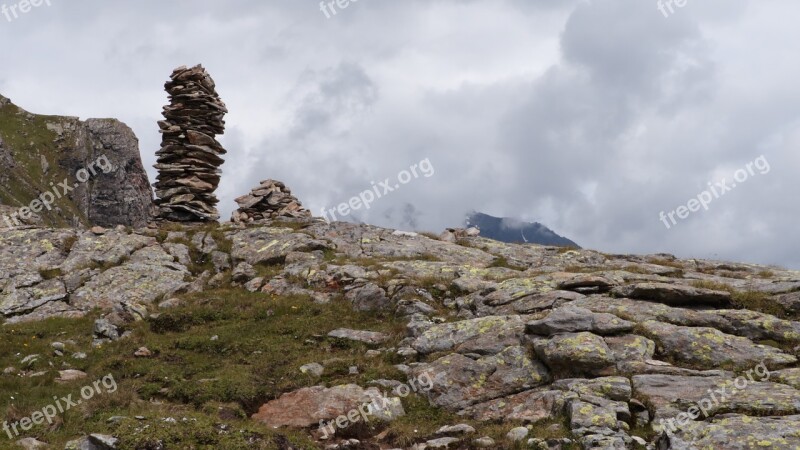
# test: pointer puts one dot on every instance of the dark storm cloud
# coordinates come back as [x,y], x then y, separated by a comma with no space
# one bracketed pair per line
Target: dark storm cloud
[591,116]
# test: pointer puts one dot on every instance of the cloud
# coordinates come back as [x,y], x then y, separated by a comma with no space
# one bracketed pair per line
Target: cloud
[589,116]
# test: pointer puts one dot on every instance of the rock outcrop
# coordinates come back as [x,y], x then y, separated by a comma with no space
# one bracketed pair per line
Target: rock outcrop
[269,201]
[190,156]
[604,351]
[69,172]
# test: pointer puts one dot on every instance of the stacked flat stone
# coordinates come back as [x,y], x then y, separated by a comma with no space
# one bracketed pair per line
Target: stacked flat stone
[190,156]
[269,201]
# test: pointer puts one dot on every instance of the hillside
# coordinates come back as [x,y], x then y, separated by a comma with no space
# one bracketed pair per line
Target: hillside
[234,337]
[70,172]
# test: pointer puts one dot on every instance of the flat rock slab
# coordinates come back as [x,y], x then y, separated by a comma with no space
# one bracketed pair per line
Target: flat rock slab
[735,431]
[611,388]
[367,337]
[789,302]
[571,319]
[530,407]
[740,322]
[708,348]
[271,245]
[358,241]
[460,381]
[759,326]
[586,281]
[24,300]
[148,276]
[519,296]
[485,335]
[576,354]
[516,289]
[671,396]
[674,294]
[308,406]
[47,311]
[642,311]
[109,249]
[631,347]
[787,376]
[548,300]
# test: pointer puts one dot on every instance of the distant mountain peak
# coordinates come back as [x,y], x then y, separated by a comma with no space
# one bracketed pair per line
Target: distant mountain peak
[513,230]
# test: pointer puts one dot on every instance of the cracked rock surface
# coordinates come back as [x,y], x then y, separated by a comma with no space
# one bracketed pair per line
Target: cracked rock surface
[614,349]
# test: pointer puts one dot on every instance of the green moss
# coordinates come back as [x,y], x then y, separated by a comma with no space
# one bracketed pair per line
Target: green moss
[713,286]
[666,262]
[502,262]
[758,301]
[103,266]
[49,274]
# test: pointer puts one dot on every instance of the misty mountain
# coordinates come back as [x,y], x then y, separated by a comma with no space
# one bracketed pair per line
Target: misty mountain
[516,231]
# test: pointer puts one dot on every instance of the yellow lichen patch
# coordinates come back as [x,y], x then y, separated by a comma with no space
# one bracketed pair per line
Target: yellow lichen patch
[268,246]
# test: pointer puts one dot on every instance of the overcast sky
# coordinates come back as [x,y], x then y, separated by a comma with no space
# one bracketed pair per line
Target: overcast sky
[590,116]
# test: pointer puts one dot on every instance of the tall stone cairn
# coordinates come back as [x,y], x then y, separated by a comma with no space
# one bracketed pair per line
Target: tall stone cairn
[190,156]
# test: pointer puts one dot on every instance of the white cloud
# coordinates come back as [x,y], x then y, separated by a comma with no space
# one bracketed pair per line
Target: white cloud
[589,116]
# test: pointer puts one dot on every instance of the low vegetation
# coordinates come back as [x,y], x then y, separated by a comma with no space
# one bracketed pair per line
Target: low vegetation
[215,360]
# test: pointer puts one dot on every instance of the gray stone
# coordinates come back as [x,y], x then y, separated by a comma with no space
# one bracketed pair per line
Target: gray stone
[674,294]
[461,428]
[670,396]
[460,381]
[366,337]
[517,434]
[307,406]
[484,442]
[444,442]
[31,444]
[243,272]
[576,353]
[530,407]
[749,432]
[571,319]
[485,335]
[708,348]
[180,252]
[271,245]
[314,369]
[370,297]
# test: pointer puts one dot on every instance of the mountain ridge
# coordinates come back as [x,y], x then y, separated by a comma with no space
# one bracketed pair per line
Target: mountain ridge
[515,231]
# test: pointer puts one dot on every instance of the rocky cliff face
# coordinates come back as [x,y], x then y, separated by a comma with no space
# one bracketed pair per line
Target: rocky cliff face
[90,169]
[474,344]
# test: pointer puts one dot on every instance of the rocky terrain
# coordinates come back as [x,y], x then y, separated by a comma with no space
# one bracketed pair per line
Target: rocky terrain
[35,148]
[272,335]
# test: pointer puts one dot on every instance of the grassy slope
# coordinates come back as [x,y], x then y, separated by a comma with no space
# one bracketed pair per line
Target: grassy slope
[263,340]
[28,138]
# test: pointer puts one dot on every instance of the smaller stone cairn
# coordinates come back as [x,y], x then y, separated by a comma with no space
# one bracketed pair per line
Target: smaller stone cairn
[269,201]
[454,234]
[190,156]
